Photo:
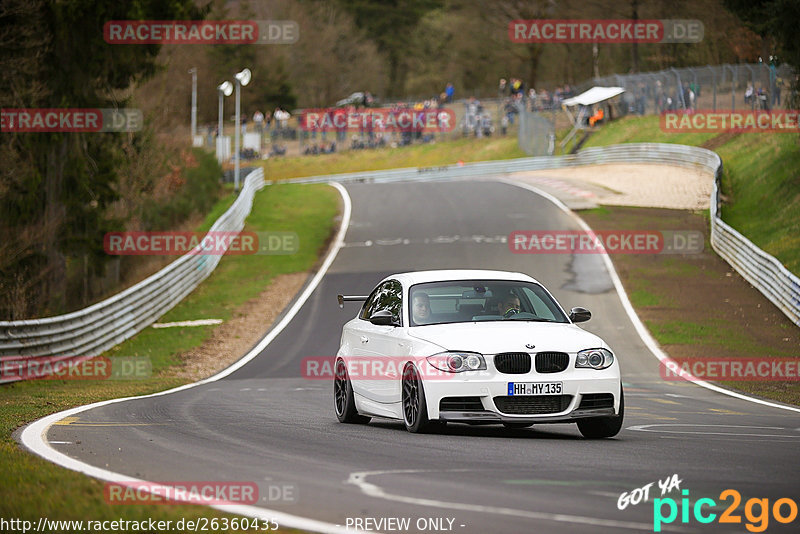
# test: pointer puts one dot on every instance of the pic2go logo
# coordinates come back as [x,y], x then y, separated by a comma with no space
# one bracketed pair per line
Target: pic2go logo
[757,521]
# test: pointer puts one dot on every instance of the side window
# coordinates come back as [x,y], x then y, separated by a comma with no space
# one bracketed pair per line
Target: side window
[370,303]
[387,296]
[393,300]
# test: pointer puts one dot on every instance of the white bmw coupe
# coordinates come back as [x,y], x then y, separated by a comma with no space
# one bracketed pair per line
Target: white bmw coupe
[477,347]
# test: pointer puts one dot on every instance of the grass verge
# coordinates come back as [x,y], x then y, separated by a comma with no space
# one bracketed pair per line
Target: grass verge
[32,487]
[760,170]
[428,155]
[306,210]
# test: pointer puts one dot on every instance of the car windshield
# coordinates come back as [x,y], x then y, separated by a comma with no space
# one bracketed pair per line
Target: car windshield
[466,301]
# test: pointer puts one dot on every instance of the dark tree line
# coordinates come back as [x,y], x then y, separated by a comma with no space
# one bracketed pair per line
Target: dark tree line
[56,188]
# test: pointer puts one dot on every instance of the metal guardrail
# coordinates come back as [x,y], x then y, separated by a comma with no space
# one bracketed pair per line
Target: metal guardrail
[99,327]
[763,271]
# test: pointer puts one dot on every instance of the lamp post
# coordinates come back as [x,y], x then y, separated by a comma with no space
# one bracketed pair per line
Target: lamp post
[224,89]
[193,72]
[242,79]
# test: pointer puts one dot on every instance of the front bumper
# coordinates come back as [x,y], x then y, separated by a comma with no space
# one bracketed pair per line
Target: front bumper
[497,417]
[577,383]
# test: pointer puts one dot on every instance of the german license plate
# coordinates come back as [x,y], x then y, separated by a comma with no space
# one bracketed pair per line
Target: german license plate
[535,388]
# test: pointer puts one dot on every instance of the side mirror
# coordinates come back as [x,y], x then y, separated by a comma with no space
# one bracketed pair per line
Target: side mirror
[579,315]
[383,318]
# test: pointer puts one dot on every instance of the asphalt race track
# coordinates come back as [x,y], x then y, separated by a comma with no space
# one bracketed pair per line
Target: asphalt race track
[266,423]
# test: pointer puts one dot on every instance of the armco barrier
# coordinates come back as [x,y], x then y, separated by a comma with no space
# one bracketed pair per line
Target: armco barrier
[763,271]
[105,324]
[99,327]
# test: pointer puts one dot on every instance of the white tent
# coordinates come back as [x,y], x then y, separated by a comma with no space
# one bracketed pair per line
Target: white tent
[593,96]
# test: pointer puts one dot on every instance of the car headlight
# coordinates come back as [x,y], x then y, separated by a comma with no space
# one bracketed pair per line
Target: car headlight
[457,362]
[594,359]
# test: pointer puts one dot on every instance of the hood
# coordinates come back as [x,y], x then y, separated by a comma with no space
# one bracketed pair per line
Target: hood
[492,337]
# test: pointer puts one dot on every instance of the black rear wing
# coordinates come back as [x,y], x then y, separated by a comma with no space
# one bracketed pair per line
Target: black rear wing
[349,298]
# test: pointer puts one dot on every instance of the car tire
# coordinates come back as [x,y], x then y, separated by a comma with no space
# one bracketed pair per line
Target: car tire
[517,425]
[604,427]
[344,403]
[415,409]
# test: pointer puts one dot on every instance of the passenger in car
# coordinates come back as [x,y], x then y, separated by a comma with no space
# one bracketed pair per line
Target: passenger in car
[421,308]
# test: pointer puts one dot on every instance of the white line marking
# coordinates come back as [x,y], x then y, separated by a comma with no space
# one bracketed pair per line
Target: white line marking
[198,322]
[439,240]
[646,428]
[61,442]
[360,479]
[740,439]
[644,334]
[604,494]
[34,436]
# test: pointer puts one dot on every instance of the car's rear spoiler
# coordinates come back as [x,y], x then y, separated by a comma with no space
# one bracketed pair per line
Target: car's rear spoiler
[345,298]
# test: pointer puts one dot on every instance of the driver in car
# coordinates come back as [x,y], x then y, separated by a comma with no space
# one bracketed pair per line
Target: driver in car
[509,305]
[421,308]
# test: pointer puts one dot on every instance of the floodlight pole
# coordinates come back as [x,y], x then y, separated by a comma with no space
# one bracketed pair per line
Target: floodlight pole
[242,78]
[193,72]
[223,89]
[237,133]
[221,115]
